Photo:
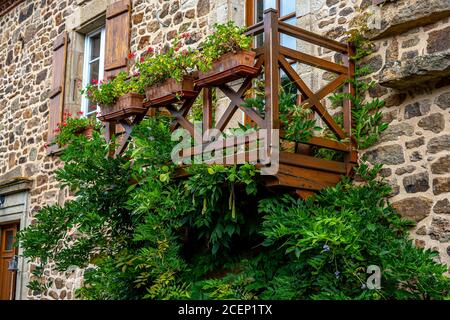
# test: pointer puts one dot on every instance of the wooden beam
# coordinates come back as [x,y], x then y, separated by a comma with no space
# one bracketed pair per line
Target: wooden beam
[304,161]
[311,37]
[313,102]
[313,61]
[207,109]
[238,101]
[272,74]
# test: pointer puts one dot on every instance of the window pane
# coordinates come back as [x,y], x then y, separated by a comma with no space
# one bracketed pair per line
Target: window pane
[270,4]
[95,46]
[289,41]
[287,6]
[92,108]
[94,68]
[259,10]
[9,240]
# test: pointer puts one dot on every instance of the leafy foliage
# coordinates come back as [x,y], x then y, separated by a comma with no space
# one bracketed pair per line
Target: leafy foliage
[155,67]
[216,234]
[297,121]
[107,92]
[226,38]
[74,126]
[366,115]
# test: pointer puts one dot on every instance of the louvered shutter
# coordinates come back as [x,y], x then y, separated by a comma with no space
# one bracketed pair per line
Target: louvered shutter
[117,47]
[56,108]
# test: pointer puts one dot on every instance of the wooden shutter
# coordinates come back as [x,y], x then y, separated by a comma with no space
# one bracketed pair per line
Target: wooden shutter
[117,47]
[56,108]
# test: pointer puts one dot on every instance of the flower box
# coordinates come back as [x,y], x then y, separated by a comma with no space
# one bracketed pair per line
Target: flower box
[230,67]
[170,91]
[88,132]
[128,105]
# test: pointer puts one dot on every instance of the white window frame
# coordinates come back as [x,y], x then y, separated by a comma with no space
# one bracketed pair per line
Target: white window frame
[88,60]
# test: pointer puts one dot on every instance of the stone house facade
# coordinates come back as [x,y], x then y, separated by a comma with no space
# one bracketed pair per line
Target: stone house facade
[410,64]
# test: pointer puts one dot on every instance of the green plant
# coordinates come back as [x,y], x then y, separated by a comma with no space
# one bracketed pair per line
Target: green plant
[296,120]
[167,238]
[173,62]
[225,38]
[366,114]
[107,92]
[73,127]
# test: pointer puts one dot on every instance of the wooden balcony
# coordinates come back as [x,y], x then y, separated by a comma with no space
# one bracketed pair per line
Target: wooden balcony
[299,171]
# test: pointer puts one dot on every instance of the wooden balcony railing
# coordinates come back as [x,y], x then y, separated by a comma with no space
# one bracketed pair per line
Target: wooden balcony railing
[299,171]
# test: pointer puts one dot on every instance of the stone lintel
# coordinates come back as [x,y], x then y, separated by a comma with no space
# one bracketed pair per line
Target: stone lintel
[15,185]
[418,71]
[399,17]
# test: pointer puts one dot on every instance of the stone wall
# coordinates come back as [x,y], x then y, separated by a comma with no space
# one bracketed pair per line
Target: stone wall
[26,43]
[411,65]
[410,62]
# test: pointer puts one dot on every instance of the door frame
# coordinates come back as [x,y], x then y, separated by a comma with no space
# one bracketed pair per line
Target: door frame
[18,188]
[4,227]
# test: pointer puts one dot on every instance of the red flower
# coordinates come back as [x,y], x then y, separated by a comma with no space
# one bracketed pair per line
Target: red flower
[57,130]
[142,59]
[131,55]
[64,124]
[186,35]
[150,50]
[94,82]
[136,74]
[45,146]
[80,113]
[185,52]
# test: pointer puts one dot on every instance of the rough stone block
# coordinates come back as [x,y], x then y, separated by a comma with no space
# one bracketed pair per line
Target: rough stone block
[420,70]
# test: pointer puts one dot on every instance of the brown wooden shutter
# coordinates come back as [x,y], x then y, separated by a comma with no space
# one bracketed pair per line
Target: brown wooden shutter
[56,108]
[117,47]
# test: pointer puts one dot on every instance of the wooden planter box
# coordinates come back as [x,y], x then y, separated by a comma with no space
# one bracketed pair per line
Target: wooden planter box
[88,132]
[230,67]
[128,105]
[171,91]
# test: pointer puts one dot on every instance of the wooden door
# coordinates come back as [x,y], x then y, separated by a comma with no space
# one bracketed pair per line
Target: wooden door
[7,252]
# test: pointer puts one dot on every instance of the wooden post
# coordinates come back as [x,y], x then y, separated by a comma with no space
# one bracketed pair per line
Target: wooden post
[207,109]
[349,88]
[272,74]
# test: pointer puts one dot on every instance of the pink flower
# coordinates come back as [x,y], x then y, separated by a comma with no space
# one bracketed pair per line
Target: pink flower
[57,130]
[131,55]
[45,146]
[186,35]
[185,52]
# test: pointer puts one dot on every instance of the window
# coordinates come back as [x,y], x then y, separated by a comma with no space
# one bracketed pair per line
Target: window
[287,10]
[284,7]
[93,65]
